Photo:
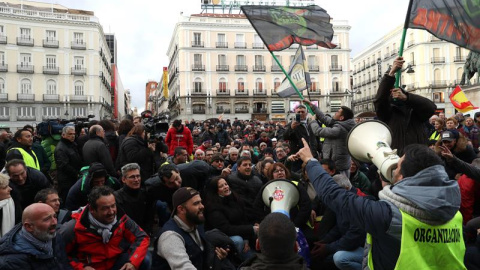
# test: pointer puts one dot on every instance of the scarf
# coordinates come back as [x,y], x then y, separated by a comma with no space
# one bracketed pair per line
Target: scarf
[8,217]
[103,229]
[407,206]
[45,247]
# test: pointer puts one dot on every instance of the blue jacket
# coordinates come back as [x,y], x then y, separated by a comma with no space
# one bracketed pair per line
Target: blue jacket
[17,253]
[431,190]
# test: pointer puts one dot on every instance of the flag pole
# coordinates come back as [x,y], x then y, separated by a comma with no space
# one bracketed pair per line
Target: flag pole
[290,80]
[402,42]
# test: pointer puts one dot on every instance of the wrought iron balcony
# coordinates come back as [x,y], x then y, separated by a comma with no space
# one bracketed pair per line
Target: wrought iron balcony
[241,68]
[314,92]
[257,45]
[51,97]
[241,92]
[3,39]
[50,43]
[198,44]
[198,67]
[198,110]
[438,60]
[25,97]
[221,44]
[25,68]
[79,71]
[460,58]
[240,45]
[335,68]
[198,92]
[79,98]
[314,68]
[226,111]
[241,110]
[3,97]
[260,92]
[223,92]
[411,43]
[51,70]
[26,117]
[439,83]
[3,67]
[259,68]
[79,45]
[223,67]
[260,110]
[276,68]
[25,41]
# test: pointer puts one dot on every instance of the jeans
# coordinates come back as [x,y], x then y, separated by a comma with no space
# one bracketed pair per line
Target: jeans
[349,260]
[239,244]
[163,212]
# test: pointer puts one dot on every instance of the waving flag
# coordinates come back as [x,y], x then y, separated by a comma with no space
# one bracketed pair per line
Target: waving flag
[460,101]
[279,27]
[451,20]
[298,72]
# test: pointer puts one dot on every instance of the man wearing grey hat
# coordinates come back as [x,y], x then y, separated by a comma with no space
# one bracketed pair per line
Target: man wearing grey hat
[182,243]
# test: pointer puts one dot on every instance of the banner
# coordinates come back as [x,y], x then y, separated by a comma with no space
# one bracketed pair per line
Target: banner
[165,82]
[460,101]
[451,20]
[279,27]
[298,72]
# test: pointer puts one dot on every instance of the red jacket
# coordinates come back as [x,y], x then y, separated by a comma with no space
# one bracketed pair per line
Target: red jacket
[175,139]
[85,247]
[469,190]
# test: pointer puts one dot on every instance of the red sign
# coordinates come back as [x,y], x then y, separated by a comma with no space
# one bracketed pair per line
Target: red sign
[278,195]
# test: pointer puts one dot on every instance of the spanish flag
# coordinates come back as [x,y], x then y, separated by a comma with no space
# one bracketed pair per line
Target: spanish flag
[460,101]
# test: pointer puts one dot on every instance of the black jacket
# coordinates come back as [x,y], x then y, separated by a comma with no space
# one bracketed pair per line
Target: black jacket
[135,150]
[405,119]
[68,162]
[24,194]
[246,187]
[95,150]
[294,137]
[136,205]
[260,262]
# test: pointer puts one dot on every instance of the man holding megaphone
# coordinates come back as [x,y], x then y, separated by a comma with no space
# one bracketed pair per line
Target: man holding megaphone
[415,225]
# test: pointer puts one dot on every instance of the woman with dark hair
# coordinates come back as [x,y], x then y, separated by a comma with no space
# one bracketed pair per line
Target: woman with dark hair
[135,149]
[225,211]
[123,129]
[261,169]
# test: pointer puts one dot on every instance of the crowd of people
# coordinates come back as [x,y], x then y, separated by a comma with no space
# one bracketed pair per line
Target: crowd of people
[114,196]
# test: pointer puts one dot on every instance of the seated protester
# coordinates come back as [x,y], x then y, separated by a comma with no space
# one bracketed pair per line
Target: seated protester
[180,156]
[244,182]
[280,154]
[182,243]
[101,236]
[299,214]
[160,189]
[344,243]
[50,196]
[225,211]
[244,153]
[358,178]
[217,167]
[261,170]
[10,212]
[267,153]
[277,242]
[133,199]
[199,155]
[25,182]
[97,176]
[34,243]
[329,166]
[232,157]
[458,145]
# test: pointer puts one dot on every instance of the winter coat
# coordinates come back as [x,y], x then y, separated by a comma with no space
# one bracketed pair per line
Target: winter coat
[17,253]
[134,149]
[182,137]
[294,136]
[360,181]
[261,262]
[112,144]
[135,204]
[95,150]
[68,162]
[246,187]
[85,247]
[49,144]
[462,150]
[24,194]
[222,138]
[407,119]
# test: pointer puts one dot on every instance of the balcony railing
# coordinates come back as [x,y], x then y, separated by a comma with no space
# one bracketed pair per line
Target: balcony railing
[25,41]
[3,97]
[314,92]
[260,110]
[241,92]
[221,44]
[79,71]
[241,110]
[257,45]
[79,98]
[51,70]
[23,68]
[25,97]
[335,68]
[439,83]
[79,45]
[26,117]
[457,59]
[197,44]
[51,97]
[223,92]
[49,43]
[3,39]
[198,67]
[240,45]
[260,92]
[438,60]
[314,68]
[198,110]
[3,67]
[411,43]
[241,68]
[198,92]
[226,111]
[276,68]
[260,68]
[223,67]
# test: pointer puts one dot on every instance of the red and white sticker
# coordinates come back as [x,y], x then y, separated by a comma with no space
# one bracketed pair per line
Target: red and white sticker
[278,195]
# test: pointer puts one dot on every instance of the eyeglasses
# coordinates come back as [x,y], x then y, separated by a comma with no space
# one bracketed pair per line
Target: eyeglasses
[279,171]
[131,177]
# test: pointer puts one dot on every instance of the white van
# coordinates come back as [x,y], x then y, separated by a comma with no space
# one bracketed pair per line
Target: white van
[471,113]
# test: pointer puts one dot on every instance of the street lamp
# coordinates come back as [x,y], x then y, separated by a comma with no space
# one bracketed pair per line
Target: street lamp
[351,93]
[379,64]
[66,114]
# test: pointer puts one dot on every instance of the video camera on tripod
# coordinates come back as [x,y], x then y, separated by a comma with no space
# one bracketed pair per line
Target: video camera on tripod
[156,126]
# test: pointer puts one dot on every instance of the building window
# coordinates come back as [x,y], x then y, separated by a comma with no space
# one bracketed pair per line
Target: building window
[240,85]
[259,85]
[51,61]
[222,85]
[78,38]
[25,33]
[51,35]
[80,112]
[2,59]
[25,86]
[2,86]
[314,86]
[51,87]
[197,85]
[221,38]
[274,63]
[197,59]
[4,111]
[240,60]
[51,112]
[78,62]
[26,112]
[336,84]
[334,59]
[25,59]
[258,60]
[276,83]
[222,60]
[79,88]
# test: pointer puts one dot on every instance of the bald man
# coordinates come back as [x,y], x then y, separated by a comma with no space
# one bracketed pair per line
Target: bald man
[34,243]
[95,150]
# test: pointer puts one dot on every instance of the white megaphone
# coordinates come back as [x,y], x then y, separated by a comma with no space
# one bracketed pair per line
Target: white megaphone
[370,141]
[280,195]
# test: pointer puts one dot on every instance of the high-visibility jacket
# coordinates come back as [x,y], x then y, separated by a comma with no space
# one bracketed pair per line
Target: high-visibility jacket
[30,161]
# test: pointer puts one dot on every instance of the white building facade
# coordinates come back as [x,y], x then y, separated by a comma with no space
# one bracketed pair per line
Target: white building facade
[54,63]
[219,66]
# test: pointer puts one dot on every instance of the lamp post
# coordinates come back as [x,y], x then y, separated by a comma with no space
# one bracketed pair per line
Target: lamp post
[351,93]
[379,64]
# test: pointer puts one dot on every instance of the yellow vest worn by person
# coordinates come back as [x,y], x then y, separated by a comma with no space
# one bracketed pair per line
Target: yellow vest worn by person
[30,161]
[435,136]
[425,246]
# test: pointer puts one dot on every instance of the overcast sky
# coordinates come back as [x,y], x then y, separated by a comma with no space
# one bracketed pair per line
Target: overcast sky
[143,29]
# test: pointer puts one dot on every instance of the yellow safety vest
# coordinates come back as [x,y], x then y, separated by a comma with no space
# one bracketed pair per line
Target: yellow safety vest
[435,136]
[30,161]
[425,246]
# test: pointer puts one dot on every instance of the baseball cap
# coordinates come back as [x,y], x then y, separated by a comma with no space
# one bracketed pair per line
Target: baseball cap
[217,157]
[274,139]
[477,114]
[182,195]
[448,136]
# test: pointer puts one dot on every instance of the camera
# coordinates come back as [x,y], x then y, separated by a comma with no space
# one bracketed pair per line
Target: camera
[297,117]
[155,126]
